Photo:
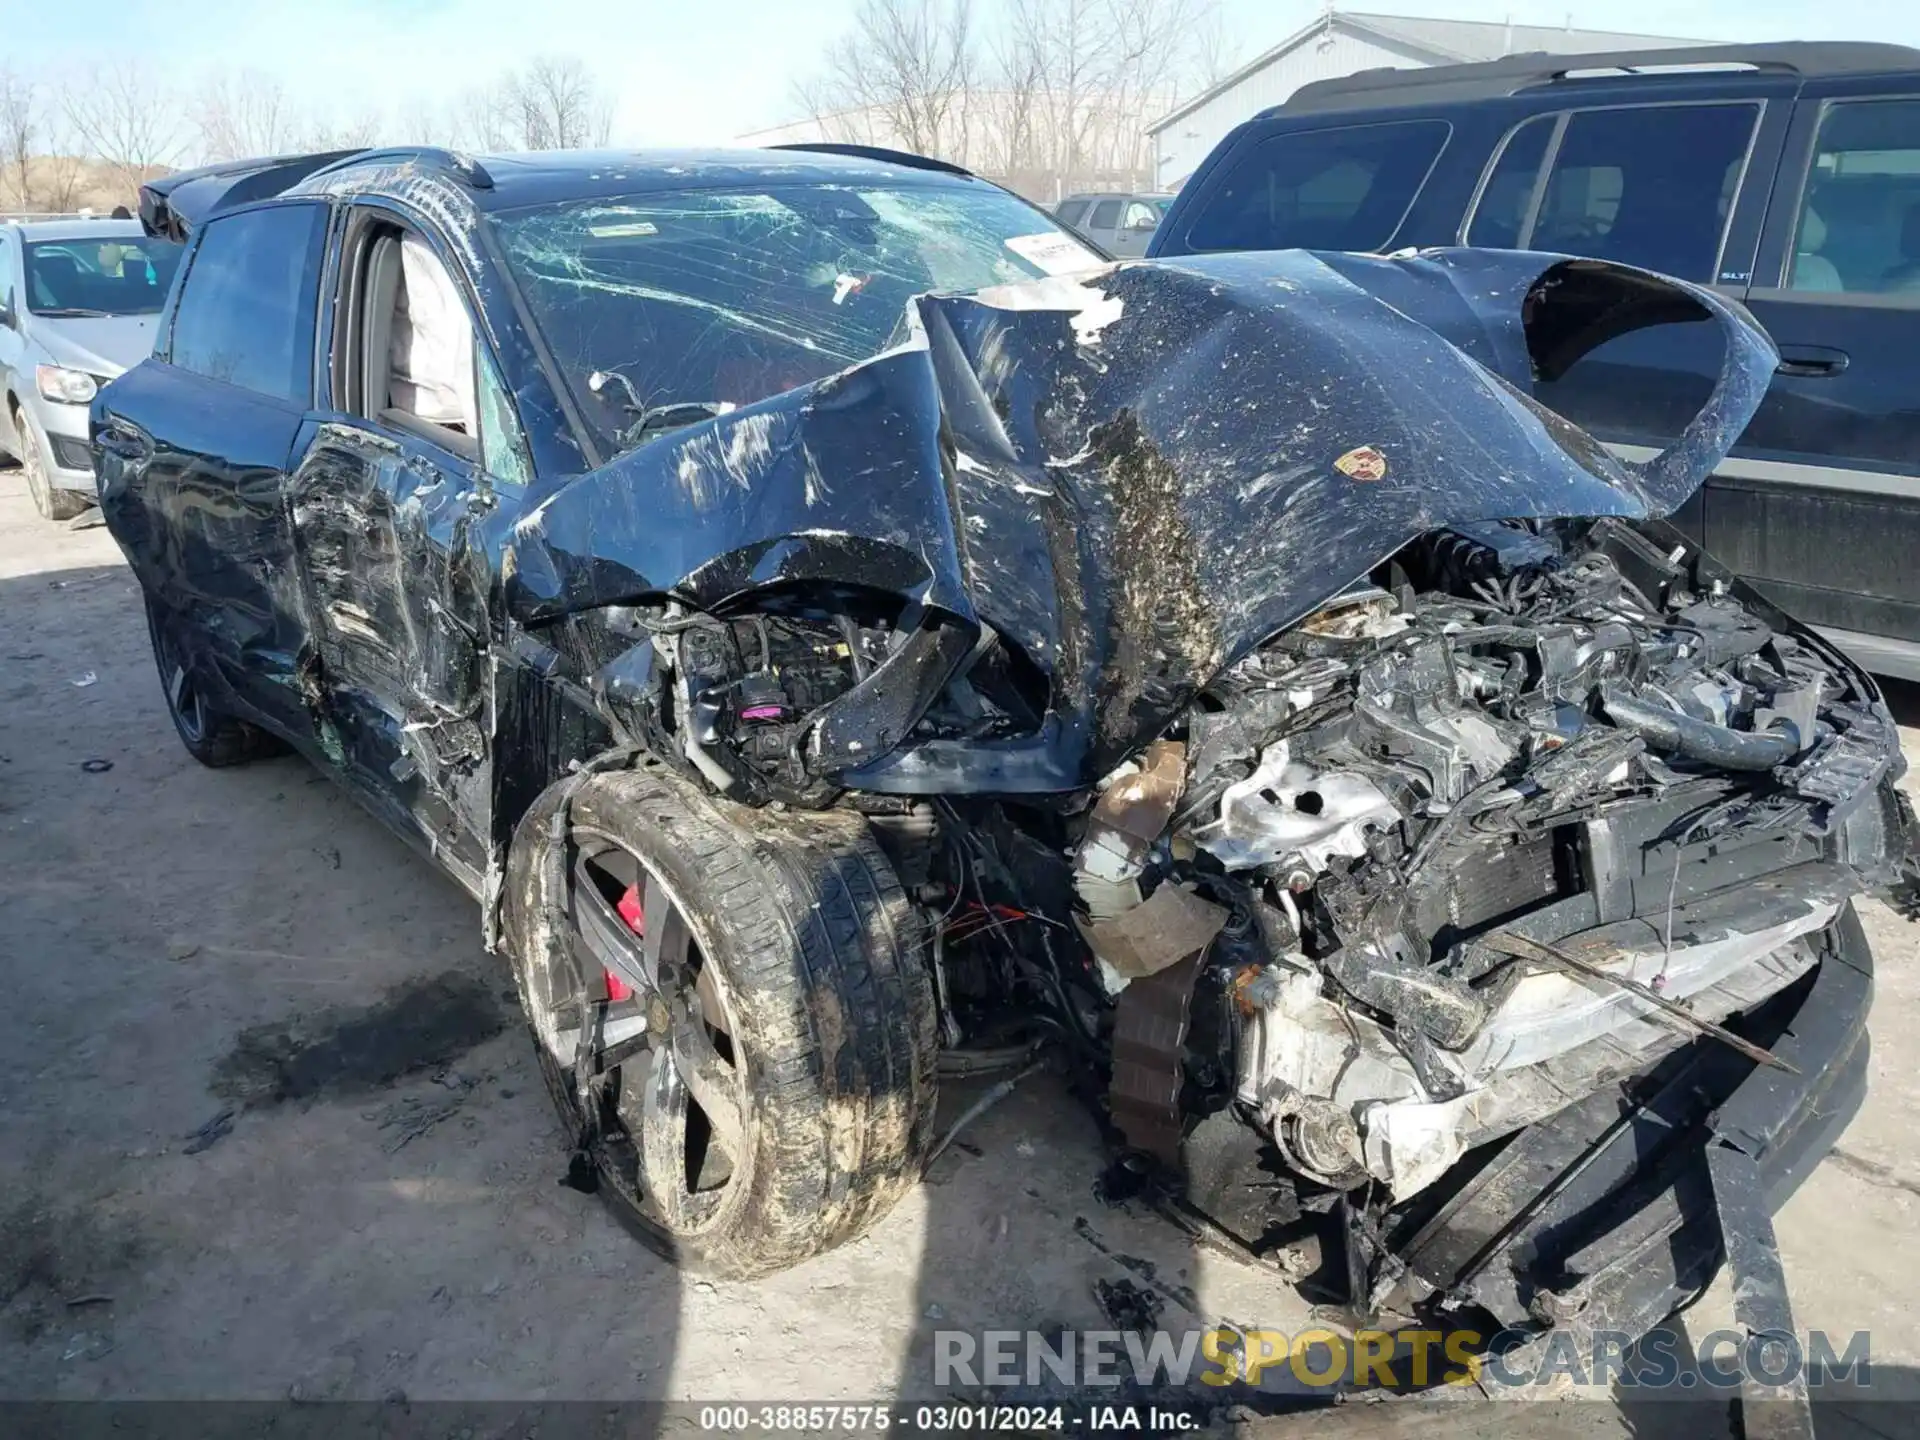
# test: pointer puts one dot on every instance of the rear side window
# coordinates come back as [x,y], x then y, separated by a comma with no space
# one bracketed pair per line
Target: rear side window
[1500,219]
[1106,215]
[1070,212]
[1340,189]
[246,311]
[1647,185]
[1859,228]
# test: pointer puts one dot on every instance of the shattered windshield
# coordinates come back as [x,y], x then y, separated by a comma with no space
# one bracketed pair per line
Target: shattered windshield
[662,309]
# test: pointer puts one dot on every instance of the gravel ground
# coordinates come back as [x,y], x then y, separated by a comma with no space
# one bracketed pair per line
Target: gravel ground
[269,1126]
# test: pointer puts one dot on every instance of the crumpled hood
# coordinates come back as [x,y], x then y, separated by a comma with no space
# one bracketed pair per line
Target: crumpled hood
[1139,473]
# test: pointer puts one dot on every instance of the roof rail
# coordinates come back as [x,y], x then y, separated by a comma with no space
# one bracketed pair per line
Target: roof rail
[463,165]
[879,152]
[1513,73]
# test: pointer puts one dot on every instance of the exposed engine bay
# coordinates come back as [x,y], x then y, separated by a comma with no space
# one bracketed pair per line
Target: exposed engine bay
[1289,908]
[1346,812]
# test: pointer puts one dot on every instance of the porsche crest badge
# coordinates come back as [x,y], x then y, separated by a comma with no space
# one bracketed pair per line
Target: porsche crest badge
[1362,463]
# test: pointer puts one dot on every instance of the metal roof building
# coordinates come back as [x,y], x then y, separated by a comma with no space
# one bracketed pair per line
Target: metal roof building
[1341,42]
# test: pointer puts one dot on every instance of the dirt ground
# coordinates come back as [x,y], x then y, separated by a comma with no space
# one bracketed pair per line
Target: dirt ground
[269,1126]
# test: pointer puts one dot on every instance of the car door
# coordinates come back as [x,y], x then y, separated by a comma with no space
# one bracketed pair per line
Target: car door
[1821,503]
[1138,219]
[193,446]
[391,506]
[1103,223]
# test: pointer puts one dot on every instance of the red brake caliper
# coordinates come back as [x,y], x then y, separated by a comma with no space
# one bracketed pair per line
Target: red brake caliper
[630,911]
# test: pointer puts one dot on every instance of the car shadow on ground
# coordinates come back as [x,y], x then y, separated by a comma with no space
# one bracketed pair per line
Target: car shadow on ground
[271,1126]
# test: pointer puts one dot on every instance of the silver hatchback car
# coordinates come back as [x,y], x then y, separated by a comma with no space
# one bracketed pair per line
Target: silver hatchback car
[79,300]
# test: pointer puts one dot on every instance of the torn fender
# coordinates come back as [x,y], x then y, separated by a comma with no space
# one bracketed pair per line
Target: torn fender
[1137,474]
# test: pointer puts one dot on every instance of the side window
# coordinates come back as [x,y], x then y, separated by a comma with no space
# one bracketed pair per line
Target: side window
[1339,189]
[1070,212]
[1651,186]
[1859,225]
[1106,215]
[1500,218]
[503,445]
[1140,216]
[247,309]
[413,347]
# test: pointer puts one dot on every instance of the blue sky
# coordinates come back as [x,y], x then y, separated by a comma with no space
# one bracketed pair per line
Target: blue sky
[689,72]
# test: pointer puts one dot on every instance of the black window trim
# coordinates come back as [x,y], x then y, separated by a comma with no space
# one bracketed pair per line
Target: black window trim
[163,341]
[1562,118]
[1413,195]
[1779,290]
[359,214]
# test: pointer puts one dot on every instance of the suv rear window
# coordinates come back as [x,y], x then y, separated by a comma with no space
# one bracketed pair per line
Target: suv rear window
[1649,185]
[246,312]
[1340,189]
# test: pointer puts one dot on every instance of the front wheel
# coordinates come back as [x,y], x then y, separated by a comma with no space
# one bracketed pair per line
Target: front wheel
[761,1037]
[51,503]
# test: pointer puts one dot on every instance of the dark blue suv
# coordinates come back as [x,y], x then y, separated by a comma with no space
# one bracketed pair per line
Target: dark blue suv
[844,632]
[1785,176]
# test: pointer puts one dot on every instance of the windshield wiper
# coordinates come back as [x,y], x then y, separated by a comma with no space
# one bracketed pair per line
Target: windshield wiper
[72,312]
[672,417]
[655,417]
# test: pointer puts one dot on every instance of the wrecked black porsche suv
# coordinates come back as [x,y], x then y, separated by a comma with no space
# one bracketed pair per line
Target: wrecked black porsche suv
[843,632]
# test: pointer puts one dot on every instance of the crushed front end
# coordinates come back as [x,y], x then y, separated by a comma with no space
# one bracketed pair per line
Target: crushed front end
[1408,835]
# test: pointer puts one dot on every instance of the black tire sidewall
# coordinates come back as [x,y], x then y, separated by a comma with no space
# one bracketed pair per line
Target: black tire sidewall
[792,1200]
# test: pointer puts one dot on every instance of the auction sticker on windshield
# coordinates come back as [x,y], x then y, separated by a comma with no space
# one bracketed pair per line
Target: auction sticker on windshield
[1054,253]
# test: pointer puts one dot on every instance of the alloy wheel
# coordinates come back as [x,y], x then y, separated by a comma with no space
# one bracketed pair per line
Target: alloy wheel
[675,1119]
[183,696]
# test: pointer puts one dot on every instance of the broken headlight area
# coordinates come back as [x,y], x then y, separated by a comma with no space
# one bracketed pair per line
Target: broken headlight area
[1516,816]
[776,703]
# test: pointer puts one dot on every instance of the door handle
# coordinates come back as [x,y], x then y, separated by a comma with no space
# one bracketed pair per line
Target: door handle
[1811,360]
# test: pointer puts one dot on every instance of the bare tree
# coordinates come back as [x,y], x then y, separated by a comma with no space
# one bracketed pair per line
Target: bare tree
[20,132]
[1012,146]
[1100,71]
[358,131]
[422,123]
[482,118]
[243,115]
[124,120]
[904,71]
[58,178]
[1216,51]
[554,104]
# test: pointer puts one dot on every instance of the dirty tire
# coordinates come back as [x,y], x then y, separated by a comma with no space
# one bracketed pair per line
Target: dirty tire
[51,503]
[211,736]
[819,956]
